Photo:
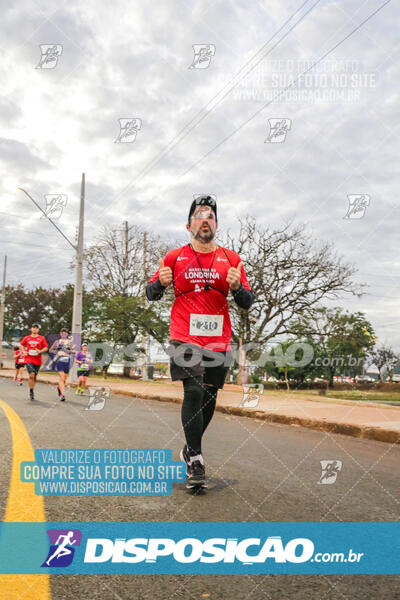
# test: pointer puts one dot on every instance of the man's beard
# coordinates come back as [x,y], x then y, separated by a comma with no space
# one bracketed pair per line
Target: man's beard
[204,236]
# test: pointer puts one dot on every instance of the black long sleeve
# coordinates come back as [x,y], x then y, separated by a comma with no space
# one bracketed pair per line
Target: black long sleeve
[154,290]
[243,298]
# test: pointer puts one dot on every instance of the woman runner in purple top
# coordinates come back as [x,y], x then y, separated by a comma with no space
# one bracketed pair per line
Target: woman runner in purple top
[85,361]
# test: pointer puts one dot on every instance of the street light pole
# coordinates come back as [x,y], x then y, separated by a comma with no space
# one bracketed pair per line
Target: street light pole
[77,304]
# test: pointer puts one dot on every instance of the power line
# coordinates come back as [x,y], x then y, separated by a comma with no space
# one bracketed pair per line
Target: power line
[47,217]
[11,215]
[181,134]
[33,245]
[378,274]
[285,89]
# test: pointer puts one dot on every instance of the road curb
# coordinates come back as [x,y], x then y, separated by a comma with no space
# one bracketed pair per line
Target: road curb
[371,433]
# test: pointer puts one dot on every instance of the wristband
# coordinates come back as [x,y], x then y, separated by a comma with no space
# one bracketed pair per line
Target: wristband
[239,288]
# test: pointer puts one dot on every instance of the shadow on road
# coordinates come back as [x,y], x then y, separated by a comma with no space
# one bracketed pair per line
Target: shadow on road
[214,484]
[73,403]
[217,485]
[40,403]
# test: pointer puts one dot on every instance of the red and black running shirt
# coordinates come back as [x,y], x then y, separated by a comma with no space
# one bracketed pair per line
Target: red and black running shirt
[19,357]
[33,344]
[191,272]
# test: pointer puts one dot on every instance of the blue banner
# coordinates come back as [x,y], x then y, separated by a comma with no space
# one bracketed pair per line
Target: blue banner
[103,472]
[194,548]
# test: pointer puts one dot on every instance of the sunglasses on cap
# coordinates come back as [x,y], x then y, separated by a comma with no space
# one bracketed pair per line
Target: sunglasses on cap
[203,201]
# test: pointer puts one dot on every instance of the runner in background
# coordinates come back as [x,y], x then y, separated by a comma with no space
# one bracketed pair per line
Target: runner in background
[202,274]
[34,345]
[61,352]
[19,358]
[85,361]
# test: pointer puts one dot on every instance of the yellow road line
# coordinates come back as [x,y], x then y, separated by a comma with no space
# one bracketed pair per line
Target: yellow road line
[23,505]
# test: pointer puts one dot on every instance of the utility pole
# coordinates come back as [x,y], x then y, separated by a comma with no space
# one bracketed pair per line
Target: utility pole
[126,263]
[243,372]
[144,338]
[77,305]
[240,363]
[125,323]
[2,307]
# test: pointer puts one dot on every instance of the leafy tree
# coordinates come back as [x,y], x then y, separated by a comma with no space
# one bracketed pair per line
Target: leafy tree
[342,339]
[51,308]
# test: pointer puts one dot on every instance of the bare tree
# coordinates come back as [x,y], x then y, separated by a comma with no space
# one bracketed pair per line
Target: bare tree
[289,273]
[118,266]
[385,359]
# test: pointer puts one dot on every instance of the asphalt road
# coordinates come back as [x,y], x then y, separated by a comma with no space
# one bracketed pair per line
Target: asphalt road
[258,472]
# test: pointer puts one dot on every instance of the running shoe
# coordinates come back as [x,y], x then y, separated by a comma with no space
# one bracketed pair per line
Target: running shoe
[62,398]
[184,456]
[20,382]
[31,395]
[197,474]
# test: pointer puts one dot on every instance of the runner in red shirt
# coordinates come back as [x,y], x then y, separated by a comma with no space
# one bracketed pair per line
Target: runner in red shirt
[33,345]
[19,358]
[203,274]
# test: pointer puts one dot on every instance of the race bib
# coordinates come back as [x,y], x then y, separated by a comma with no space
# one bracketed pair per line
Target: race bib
[84,366]
[33,352]
[63,358]
[206,325]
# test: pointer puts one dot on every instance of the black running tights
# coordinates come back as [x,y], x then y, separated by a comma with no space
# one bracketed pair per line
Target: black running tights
[198,407]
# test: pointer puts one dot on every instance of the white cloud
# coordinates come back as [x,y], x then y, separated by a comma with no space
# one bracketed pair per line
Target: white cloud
[131,60]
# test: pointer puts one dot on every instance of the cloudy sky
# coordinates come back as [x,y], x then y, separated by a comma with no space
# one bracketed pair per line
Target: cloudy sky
[131,59]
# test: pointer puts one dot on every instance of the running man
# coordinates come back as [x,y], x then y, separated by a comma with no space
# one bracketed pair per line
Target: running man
[202,273]
[34,345]
[62,546]
[19,358]
[62,351]
[85,361]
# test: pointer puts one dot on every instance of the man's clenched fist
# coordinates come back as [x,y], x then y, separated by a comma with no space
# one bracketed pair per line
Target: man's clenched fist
[164,274]
[233,277]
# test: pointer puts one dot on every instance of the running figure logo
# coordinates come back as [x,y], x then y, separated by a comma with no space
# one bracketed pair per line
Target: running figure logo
[357,206]
[55,204]
[330,470]
[251,395]
[203,54]
[128,130]
[97,398]
[50,54]
[62,542]
[278,129]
